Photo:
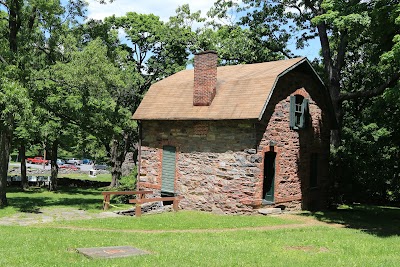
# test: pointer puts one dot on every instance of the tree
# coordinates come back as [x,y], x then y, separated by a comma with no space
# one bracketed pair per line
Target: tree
[88,91]
[27,29]
[13,102]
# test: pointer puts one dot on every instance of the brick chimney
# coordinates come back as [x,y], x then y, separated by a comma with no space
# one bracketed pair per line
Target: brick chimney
[205,78]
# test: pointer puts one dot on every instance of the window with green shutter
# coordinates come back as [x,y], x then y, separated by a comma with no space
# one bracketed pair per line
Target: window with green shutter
[298,112]
[168,169]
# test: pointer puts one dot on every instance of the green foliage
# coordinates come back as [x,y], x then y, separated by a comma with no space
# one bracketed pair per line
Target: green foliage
[370,151]
[126,183]
[156,49]
[14,102]
[86,90]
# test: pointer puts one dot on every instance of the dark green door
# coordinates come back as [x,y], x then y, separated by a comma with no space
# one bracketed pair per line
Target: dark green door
[269,176]
[168,169]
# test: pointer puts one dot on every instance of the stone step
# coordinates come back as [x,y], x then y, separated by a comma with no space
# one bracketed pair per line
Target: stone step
[269,211]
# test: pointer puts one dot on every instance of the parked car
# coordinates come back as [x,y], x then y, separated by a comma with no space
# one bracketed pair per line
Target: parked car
[37,160]
[100,166]
[60,162]
[87,161]
[74,161]
[69,167]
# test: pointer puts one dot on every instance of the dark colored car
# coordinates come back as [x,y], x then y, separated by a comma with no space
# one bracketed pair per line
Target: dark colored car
[100,166]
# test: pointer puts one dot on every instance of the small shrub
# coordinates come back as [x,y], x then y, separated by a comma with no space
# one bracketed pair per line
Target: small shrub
[126,183]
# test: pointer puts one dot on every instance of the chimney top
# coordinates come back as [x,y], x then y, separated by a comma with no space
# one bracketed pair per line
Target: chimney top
[206,52]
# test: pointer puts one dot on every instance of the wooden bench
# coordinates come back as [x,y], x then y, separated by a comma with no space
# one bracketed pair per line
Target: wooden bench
[139,201]
[107,196]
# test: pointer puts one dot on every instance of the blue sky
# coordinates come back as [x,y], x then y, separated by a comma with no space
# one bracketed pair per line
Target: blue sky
[166,8]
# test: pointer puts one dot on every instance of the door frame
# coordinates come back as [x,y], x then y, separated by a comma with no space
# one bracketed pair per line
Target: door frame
[270,148]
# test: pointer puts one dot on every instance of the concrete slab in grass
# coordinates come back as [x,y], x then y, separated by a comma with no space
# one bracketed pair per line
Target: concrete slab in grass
[111,252]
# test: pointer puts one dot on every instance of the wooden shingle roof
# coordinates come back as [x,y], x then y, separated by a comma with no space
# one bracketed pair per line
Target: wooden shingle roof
[243,92]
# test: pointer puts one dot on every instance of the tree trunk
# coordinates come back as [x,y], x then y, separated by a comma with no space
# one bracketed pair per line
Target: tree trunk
[336,134]
[22,156]
[5,144]
[54,167]
[119,149]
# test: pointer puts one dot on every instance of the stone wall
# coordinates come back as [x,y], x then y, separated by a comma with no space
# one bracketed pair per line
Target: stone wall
[220,163]
[217,166]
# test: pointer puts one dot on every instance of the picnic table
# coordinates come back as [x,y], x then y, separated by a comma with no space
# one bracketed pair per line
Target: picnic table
[140,199]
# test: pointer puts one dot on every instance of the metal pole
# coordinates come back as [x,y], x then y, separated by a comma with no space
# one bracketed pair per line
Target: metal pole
[44,156]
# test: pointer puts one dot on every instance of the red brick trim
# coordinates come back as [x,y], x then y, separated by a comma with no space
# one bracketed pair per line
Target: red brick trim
[277,150]
[301,92]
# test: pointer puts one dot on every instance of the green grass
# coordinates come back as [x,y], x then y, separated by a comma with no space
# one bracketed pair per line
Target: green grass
[182,220]
[381,221]
[100,177]
[371,236]
[315,246]
[34,199]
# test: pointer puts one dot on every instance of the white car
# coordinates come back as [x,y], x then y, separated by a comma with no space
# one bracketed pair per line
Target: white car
[74,161]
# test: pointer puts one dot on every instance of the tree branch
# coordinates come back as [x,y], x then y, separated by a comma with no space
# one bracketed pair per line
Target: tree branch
[308,4]
[374,92]
[3,60]
[3,3]
[32,18]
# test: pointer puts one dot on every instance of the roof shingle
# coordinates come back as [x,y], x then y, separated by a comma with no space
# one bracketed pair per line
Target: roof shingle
[242,93]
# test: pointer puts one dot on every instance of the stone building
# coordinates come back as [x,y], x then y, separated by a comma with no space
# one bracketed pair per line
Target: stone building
[235,138]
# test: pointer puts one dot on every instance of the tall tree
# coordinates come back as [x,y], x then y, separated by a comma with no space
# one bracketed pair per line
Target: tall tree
[27,28]
[89,91]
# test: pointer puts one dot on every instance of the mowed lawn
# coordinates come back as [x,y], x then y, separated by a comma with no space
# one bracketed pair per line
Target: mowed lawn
[354,236]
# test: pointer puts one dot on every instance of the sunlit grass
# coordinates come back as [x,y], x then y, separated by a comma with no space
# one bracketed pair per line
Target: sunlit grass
[369,236]
[103,177]
[181,220]
[314,246]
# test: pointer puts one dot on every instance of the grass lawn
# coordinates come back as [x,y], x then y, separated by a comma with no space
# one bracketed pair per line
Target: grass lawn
[103,177]
[369,236]
[34,199]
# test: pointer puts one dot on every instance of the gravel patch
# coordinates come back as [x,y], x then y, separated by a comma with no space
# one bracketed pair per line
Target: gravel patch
[47,215]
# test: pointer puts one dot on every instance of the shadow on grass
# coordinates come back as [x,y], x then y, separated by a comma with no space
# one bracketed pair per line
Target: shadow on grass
[31,201]
[375,220]
[60,190]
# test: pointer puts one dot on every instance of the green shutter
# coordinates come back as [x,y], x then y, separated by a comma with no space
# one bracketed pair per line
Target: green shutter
[292,118]
[168,169]
[304,114]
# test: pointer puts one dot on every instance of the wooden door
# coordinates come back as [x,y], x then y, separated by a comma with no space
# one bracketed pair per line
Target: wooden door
[269,177]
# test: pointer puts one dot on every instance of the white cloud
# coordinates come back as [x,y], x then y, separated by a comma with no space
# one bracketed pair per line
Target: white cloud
[162,8]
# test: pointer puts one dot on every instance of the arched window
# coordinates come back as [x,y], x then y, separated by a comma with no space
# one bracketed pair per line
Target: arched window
[298,112]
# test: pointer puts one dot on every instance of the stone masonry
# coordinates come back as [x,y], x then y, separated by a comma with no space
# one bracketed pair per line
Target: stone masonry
[219,164]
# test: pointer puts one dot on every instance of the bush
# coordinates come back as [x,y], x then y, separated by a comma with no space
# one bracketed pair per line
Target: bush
[126,183]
